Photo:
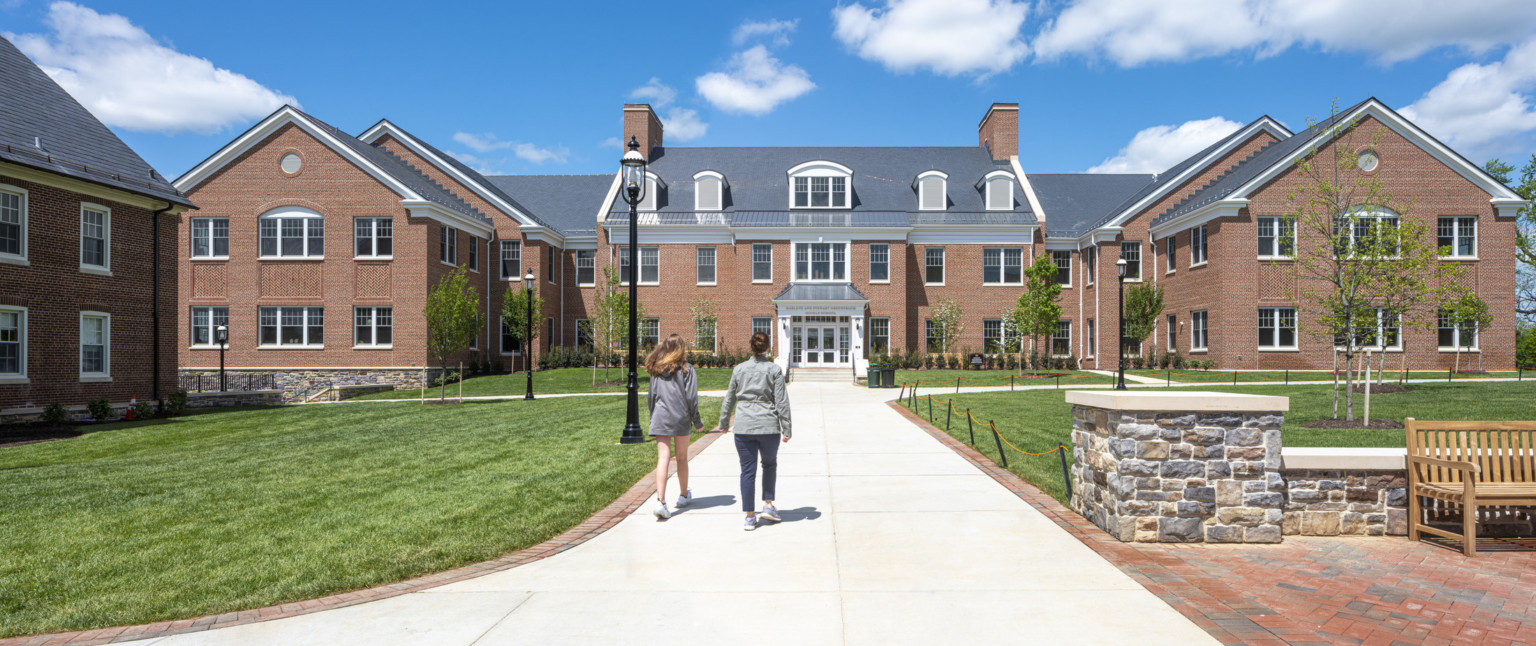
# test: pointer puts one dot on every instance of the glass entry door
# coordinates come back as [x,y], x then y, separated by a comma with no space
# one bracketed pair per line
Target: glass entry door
[821,345]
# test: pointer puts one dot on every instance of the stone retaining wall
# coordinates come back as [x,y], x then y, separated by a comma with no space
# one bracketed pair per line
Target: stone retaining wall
[1346,503]
[235,398]
[297,385]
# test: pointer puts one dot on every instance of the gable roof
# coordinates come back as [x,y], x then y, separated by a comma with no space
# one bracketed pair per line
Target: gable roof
[34,109]
[1076,203]
[449,164]
[566,203]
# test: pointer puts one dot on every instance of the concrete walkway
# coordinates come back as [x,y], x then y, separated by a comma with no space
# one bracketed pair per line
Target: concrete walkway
[888,538]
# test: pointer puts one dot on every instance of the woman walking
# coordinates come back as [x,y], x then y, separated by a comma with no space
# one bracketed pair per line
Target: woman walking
[757,386]
[674,404]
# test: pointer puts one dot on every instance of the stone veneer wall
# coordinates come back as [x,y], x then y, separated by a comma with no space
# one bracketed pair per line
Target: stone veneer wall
[235,398]
[1345,503]
[299,384]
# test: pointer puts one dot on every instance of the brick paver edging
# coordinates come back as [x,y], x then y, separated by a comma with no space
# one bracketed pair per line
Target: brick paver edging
[589,529]
[1311,590]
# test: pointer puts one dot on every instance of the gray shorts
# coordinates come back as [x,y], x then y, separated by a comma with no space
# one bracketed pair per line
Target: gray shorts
[668,432]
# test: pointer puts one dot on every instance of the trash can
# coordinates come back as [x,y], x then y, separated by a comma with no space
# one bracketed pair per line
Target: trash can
[888,377]
[873,380]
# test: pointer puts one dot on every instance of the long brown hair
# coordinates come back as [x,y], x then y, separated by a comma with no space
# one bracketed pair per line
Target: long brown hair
[668,357]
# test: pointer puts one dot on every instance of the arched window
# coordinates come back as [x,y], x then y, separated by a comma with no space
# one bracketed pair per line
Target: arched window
[1367,230]
[708,191]
[820,185]
[653,188]
[292,232]
[932,191]
[998,185]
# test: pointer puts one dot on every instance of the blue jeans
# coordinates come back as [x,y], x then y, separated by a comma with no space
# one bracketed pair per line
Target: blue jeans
[749,448]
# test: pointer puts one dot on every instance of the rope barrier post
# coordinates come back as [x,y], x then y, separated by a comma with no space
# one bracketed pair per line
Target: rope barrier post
[930,409]
[948,413]
[1448,373]
[1234,377]
[1169,379]
[1058,382]
[999,439]
[1066,476]
[903,393]
[1287,376]
[970,427]
[957,385]
[1010,383]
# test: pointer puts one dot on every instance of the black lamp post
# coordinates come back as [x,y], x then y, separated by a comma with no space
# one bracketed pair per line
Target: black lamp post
[1120,269]
[528,336]
[221,336]
[633,168]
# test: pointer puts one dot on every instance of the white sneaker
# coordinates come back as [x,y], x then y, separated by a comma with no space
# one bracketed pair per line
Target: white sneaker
[769,513]
[751,523]
[683,499]
[661,512]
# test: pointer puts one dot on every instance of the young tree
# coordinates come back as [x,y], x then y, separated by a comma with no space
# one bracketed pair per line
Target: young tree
[1411,290]
[950,318]
[453,320]
[704,320]
[1470,315]
[1037,312]
[610,321]
[516,310]
[1143,304]
[1525,232]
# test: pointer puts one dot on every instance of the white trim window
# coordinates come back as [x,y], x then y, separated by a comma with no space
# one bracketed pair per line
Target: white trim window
[1199,331]
[13,344]
[1061,340]
[650,265]
[13,223]
[821,261]
[821,192]
[210,238]
[1361,225]
[705,260]
[1385,333]
[879,335]
[510,344]
[933,337]
[992,336]
[1001,266]
[448,245]
[650,332]
[932,191]
[1063,260]
[1171,253]
[1131,252]
[1091,338]
[764,324]
[95,237]
[999,189]
[291,232]
[1277,238]
[762,263]
[708,191]
[205,323]
[511,260]
[584,336]
[474,253]
[1451,335]
[1277,328]
[1090,264]
[551,260]
[1198,253]
[1457,236]
[704,335]
[933,266]
[375,237]
[653,188]
[95,346]
[373,327]
[879,262]
[1173,332]
[287,327]
[586,267]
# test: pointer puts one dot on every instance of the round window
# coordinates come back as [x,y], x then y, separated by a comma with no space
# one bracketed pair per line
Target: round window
[291,163]
[1367,161]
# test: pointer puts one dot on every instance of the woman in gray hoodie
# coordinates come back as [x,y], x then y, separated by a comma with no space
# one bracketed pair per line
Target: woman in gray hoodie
[757,386]
[674,404]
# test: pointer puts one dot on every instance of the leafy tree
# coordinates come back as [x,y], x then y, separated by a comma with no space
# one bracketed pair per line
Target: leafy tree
[1525,344]
[610,321]
[453,320]
[515,313]
[1525,240]
[1037,312]
[1469,313]
[1143,304]
[950,318]
[704,320]
[1410,290]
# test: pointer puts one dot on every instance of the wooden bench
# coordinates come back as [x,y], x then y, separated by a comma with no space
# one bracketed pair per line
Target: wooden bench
[1471,465]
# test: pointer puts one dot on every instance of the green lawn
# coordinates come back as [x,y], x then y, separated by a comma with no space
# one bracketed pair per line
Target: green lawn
[1225,376]
[970,378]
[559,380]
[1037,420]
[228,510]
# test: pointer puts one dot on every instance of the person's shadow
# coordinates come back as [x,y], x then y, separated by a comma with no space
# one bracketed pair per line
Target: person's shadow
[799,514]
[708,502]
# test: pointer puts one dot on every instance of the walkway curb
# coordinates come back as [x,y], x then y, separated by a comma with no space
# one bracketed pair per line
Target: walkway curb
[587,530]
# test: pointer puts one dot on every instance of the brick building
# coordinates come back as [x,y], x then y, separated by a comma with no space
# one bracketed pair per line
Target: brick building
[87,271]
[837,252]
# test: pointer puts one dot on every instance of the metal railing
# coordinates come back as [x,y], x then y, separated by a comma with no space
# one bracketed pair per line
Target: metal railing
[234,381]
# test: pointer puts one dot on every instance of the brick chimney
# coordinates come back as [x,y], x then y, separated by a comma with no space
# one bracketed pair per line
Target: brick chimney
[999,131]
[641,123]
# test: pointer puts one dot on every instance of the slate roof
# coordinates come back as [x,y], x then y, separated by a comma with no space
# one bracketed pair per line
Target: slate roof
[757,177]
[482,180]
[566,203]
[820,292]
[74,142]
[1075,203]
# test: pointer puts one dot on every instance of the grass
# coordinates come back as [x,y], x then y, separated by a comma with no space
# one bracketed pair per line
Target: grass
[939,378]
[228,510]
[557,381]
[1037,420]
[1225,376]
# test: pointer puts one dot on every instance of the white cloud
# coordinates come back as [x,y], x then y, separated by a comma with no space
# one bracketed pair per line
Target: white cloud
[1478,108]
[949,37]
[611,142]
[488,143]
[537,155]
[128,80]
[682,124]
[777,31]
[480,165]
[1136,32]
[481,143]
[1155,149]
[657,93]
[755,83]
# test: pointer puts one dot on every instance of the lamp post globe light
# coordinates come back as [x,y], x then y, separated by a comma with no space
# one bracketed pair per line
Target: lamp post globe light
[221,337]
[1120,379]
[632,166]
[528,336]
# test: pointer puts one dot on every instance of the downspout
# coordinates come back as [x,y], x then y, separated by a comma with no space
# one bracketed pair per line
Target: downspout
[154,318]
[492,262]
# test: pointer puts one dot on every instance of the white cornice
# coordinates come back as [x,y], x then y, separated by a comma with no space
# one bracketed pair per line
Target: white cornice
[971,234]
[384,127]
[428,209]
[83,187]
[1219,209]
[1029,191]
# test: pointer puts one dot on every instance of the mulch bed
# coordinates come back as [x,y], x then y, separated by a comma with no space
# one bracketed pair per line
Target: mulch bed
[1376,424]
[1382,389]
[18,434]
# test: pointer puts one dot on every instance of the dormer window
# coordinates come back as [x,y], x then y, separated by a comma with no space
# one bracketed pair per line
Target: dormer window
[653,188]
[998,185]
[820,185]
[708,191]
[932,191]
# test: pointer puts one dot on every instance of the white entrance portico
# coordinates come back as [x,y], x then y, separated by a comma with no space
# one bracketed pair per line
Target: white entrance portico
[821,326]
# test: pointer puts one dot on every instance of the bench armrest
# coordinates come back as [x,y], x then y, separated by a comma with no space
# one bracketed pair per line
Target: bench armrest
[1457,465]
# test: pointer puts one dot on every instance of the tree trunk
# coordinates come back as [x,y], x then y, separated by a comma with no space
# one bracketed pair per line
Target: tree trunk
[1335,383]
[1349,384]
[442,382]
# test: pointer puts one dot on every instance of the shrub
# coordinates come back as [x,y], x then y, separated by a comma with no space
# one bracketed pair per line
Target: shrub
[445,377]
[1071,362]
[176,404]
[1013,361]
[55,415]
[928,361]
[1137,362]
[143,410]
[100,409]
[1178,361]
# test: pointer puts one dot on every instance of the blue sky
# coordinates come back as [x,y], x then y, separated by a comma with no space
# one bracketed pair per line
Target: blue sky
[1107,85]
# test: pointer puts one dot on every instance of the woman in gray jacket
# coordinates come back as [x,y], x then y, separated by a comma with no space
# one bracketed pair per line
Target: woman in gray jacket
[757,386]
[674,404]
